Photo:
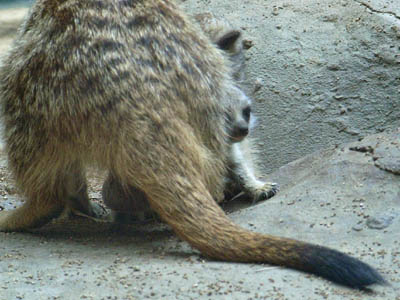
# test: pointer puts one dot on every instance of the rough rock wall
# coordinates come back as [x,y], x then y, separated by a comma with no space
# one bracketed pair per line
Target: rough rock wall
[321,72]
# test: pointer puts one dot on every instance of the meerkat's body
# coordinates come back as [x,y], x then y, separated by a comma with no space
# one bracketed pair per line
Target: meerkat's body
[128,204]
[133,87]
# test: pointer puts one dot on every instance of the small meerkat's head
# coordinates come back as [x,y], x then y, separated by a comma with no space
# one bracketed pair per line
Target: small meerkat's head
[227,38]
[239,116]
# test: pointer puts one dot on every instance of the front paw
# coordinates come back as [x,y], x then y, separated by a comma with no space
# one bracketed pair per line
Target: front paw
[265,191]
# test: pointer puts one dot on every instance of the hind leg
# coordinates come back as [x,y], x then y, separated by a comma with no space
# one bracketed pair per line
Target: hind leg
[128,204]
[35,212]
[48,176]
[41,205]
[49,197]
[77,199]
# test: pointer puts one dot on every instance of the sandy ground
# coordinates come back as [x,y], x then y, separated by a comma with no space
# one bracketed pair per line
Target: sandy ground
[345,198]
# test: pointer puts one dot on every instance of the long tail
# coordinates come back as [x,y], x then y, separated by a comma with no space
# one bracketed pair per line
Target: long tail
[201,222]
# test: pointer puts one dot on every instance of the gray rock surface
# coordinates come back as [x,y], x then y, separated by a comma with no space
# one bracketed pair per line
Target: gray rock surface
[326,72]
[323,197]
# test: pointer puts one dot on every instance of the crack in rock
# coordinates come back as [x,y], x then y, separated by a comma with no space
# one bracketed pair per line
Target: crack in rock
[369,7]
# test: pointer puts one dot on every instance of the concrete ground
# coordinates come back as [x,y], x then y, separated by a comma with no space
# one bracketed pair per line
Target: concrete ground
[346,198]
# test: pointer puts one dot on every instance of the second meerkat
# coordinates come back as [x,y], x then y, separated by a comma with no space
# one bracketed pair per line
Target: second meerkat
[131,86]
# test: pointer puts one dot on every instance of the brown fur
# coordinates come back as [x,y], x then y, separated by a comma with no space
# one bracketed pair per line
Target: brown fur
[96,82]
[128,204]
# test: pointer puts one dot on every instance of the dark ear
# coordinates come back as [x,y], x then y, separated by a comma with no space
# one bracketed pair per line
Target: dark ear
[228,40]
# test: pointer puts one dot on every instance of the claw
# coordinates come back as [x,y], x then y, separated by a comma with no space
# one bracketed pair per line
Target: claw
[270,190]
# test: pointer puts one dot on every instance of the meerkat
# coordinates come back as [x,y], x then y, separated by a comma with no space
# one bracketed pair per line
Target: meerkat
[243,175]
[241,178]
[129,205]
[133,87]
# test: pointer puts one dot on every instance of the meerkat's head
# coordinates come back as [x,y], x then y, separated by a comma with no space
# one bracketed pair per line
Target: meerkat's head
[239,116]
[227,38]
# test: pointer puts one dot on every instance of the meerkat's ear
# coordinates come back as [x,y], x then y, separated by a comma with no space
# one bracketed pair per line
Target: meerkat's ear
[228,41]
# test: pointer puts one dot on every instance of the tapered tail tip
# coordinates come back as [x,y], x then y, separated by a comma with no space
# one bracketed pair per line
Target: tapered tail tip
[343,269]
